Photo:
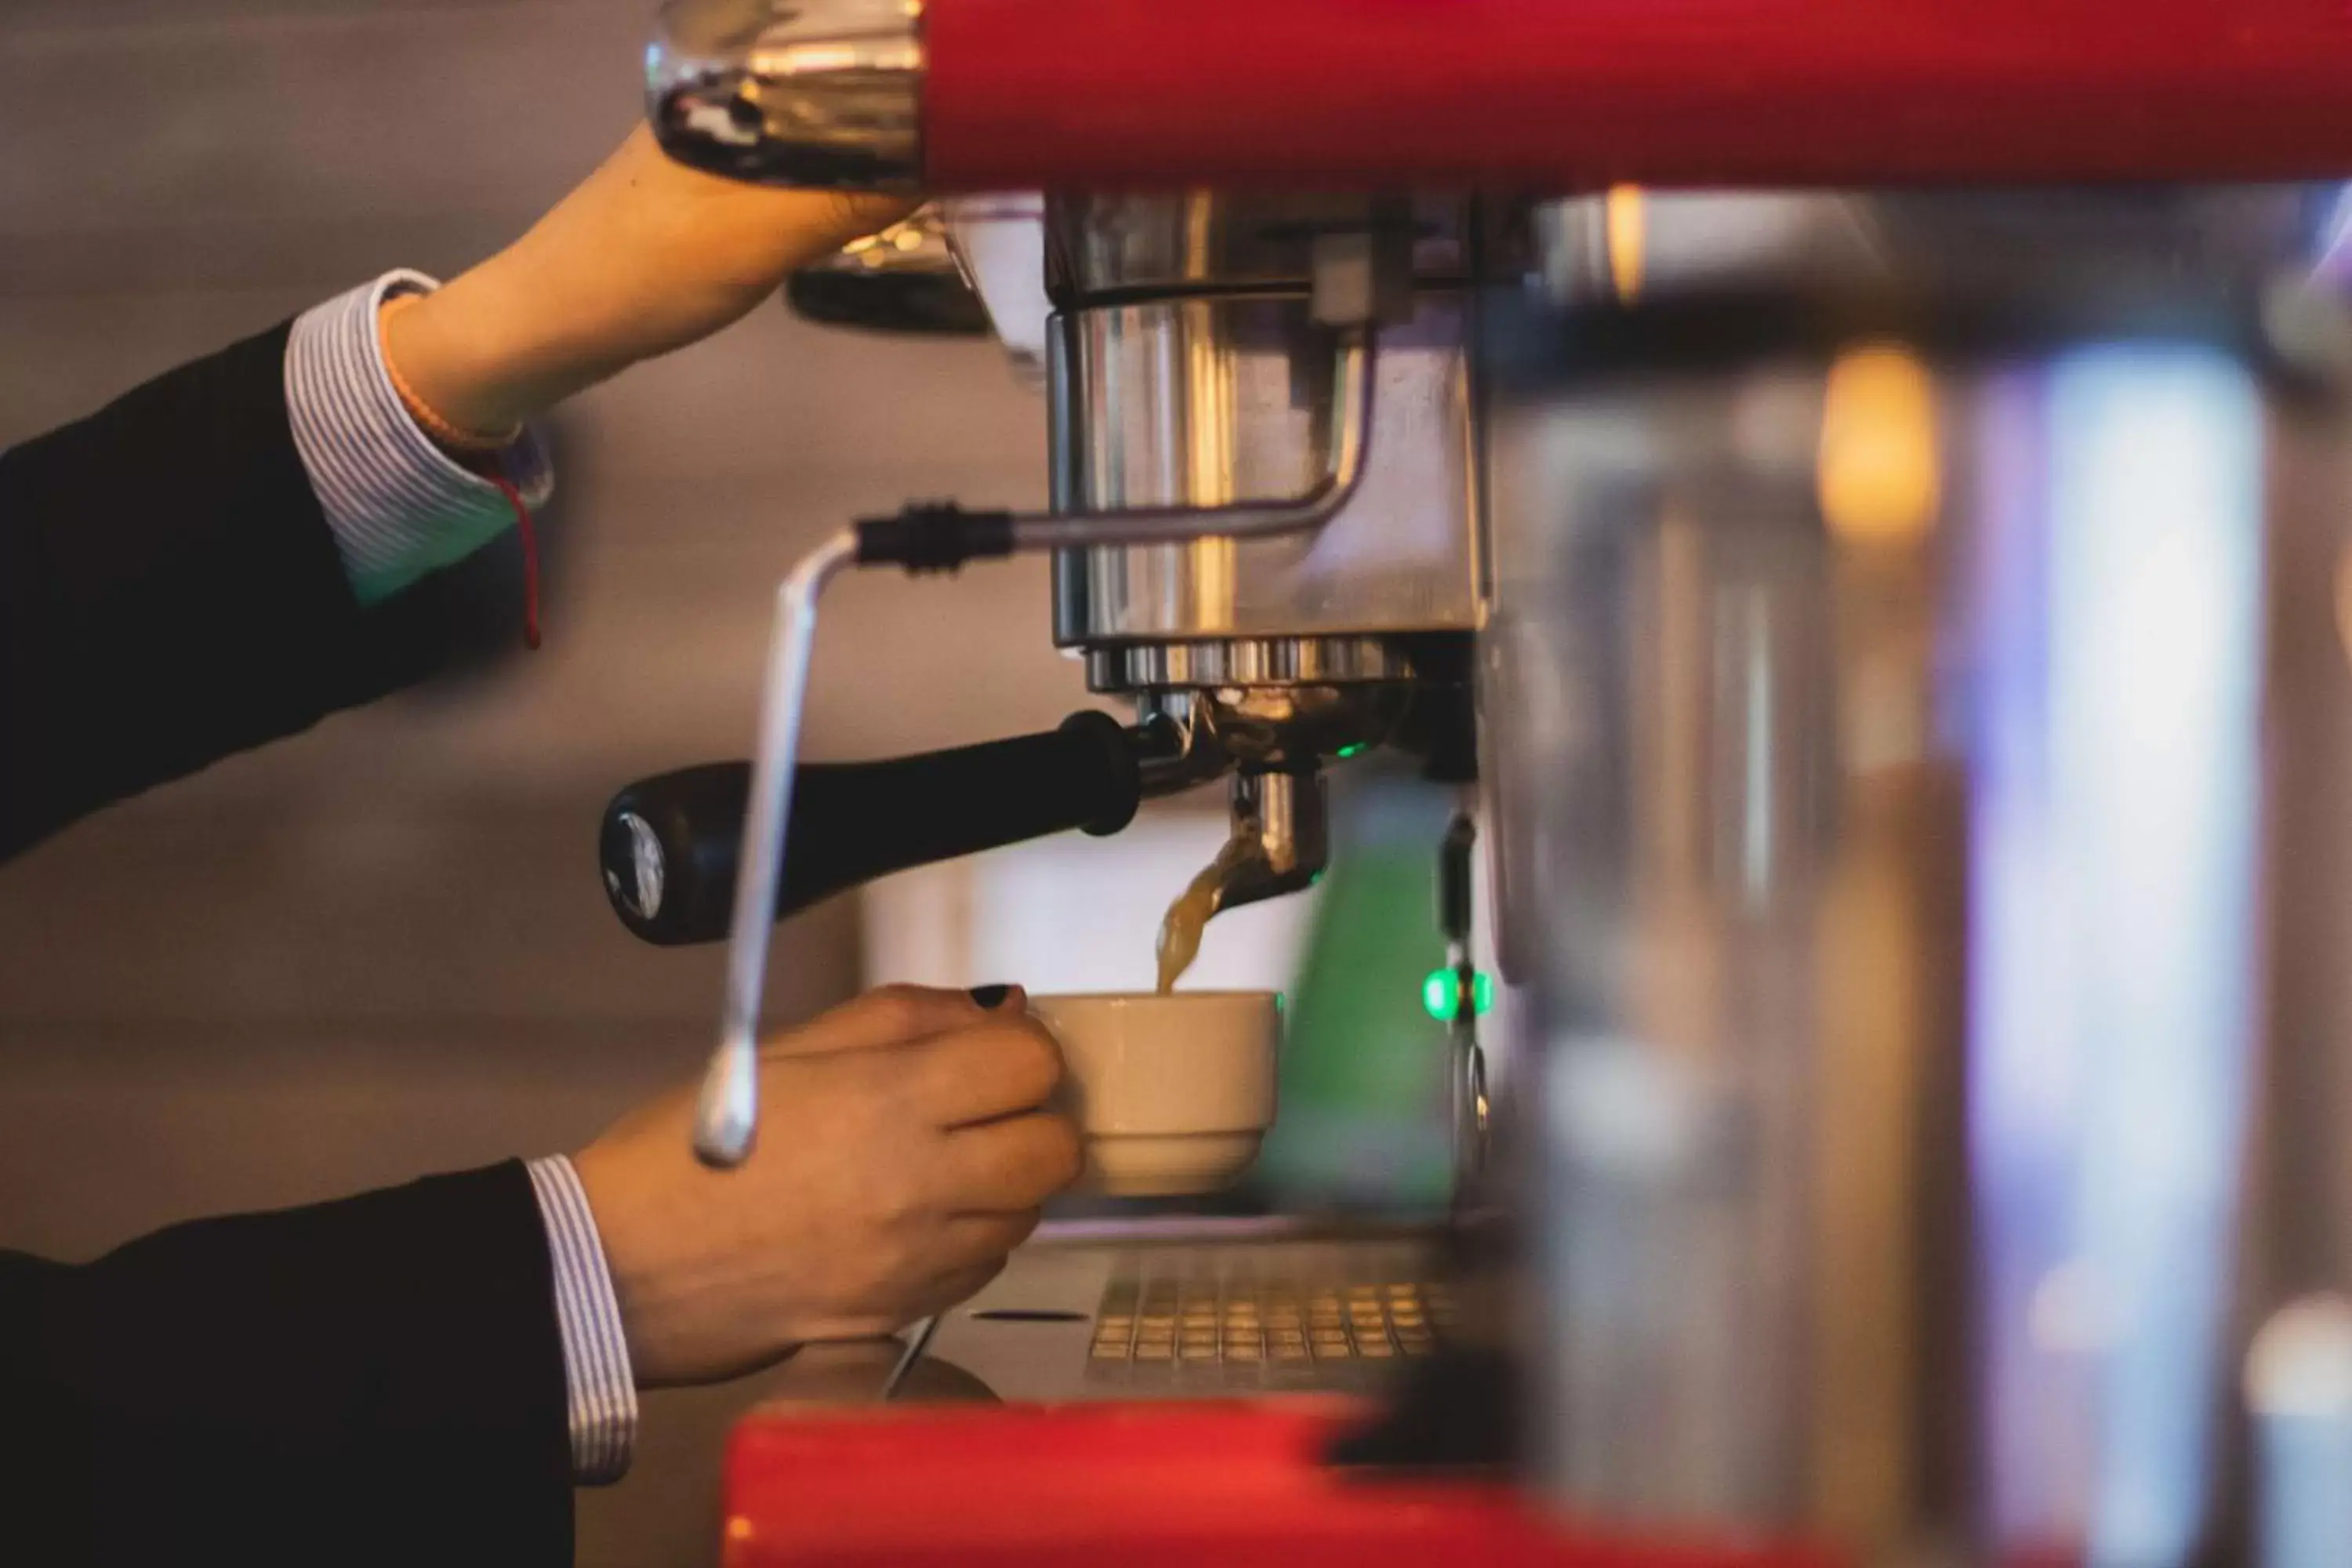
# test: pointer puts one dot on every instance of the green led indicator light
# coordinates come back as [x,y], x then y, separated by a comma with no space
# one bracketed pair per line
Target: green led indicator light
[1441,994]
[1347,751]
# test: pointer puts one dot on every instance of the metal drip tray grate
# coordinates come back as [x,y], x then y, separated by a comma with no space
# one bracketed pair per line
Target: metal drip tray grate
[1231,1318]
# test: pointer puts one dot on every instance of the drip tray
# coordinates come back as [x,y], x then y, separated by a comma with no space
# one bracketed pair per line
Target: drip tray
[1148,1318]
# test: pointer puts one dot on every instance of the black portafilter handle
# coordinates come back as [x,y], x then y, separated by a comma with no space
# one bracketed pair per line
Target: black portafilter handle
[670,844]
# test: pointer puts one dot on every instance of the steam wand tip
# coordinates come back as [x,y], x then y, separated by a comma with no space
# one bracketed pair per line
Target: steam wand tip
[727,1116]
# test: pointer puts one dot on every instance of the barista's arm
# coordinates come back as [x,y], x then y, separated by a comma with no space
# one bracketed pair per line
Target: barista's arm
[231,552]
[169,592]
[368,1381]
[378,1381]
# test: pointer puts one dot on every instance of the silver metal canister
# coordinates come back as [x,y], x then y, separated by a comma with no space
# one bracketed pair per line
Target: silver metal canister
[1884,678]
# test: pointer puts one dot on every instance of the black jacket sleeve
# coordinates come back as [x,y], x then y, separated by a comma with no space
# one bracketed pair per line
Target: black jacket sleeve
[170,593]
[373,1381]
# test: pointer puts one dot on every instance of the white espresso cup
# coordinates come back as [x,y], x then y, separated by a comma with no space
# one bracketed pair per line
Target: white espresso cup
[1173,1093]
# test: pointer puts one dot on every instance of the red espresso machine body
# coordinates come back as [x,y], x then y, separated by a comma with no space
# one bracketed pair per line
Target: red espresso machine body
[1556,94]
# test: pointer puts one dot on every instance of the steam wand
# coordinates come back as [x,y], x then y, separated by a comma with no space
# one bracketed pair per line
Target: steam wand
[728,1113]
[941,537]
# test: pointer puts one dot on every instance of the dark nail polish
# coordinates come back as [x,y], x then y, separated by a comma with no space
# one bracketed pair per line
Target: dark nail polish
[991,996]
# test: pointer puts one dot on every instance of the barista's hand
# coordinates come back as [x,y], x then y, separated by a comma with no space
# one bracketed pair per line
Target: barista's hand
[646,256]
[904,1150]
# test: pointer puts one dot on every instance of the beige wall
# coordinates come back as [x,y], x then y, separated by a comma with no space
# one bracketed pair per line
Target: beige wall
[380,950]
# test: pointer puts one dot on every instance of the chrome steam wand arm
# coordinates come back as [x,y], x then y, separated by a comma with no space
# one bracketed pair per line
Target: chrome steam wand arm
[942,536]
[727,1118]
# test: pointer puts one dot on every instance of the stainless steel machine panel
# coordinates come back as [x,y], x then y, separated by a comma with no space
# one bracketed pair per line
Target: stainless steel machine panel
[1205,400]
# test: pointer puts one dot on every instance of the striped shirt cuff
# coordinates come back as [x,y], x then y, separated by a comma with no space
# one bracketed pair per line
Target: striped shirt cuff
[399,507]
[603,1395]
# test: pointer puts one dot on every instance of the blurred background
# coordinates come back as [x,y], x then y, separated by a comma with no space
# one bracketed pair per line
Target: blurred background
[380,950]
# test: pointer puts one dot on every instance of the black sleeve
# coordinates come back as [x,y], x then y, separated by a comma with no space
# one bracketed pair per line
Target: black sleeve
[170,593]
[373,1381]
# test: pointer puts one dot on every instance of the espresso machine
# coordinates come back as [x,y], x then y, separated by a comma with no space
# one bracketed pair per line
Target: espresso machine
[1858,497]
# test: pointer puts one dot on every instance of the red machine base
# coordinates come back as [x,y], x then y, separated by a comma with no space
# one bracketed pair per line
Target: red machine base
[1242,1485]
